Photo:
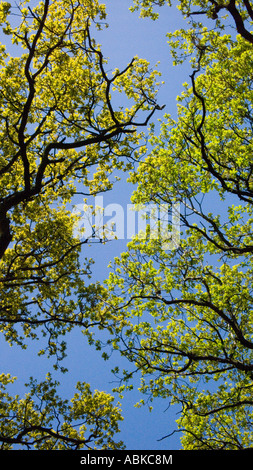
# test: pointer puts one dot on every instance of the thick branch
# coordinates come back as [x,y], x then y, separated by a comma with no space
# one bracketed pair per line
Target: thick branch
[45,434]
[5,234]
[239,21]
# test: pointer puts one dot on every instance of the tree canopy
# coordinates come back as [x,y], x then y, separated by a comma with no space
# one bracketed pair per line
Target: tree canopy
[181,317]
[61,135]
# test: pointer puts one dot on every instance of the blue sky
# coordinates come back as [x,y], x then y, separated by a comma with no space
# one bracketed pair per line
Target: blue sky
[126,37]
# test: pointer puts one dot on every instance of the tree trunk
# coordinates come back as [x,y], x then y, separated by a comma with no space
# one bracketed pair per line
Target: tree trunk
[5,234]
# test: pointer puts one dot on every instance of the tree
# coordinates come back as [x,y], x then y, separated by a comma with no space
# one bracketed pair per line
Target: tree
[183,318]
[241,12]
[44,421]
[61,135]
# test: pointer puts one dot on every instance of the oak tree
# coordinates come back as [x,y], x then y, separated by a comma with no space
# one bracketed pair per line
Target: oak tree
[62,135]
[183,317]
[42,420]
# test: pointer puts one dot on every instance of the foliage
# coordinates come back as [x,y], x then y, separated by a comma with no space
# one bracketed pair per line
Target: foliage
[44,421]
[58,129]
[240,12]
[61,136]
[183,318]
